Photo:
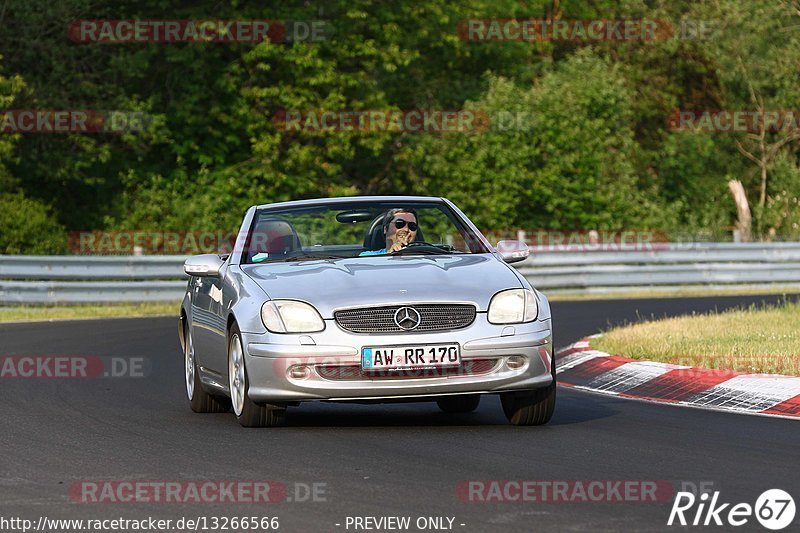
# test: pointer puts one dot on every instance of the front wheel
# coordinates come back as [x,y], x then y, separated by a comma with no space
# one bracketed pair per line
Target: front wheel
[249,413]
[529,408]
[199,400]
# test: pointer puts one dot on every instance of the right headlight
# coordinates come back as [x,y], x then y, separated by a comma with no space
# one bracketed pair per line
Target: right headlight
[290,316]
[513,306]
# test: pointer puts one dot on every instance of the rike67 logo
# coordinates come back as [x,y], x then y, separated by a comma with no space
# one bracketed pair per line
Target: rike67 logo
[774,509]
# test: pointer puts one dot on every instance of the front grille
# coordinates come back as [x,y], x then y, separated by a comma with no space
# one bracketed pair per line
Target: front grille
[433,317]
[470,367]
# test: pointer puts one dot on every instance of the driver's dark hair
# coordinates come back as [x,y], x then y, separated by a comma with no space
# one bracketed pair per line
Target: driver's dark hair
[389,216]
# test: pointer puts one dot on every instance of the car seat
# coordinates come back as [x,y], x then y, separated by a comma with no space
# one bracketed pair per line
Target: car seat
[273,236]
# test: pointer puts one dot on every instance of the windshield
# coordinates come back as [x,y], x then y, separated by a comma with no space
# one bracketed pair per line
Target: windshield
[360,229]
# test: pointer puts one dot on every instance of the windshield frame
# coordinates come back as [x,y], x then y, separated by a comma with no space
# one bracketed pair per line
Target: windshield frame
[462,224]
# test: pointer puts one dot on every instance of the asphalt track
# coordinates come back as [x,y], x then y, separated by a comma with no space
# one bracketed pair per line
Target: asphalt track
[377,460]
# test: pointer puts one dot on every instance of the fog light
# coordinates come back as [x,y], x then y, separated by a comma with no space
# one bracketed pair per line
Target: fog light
[300,372]
[515,362]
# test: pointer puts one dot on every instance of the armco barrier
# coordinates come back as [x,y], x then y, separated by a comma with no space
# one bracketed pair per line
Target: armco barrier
[74,279]
[31,279]
[66,267]
[663,265]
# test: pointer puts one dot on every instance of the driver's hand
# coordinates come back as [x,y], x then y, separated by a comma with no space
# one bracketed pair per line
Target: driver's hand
[401,240]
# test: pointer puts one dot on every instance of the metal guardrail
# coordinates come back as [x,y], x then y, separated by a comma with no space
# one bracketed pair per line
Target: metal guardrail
[664,265]
[48,292]
[77,279]
[83,279]
[667,254]
[56,267]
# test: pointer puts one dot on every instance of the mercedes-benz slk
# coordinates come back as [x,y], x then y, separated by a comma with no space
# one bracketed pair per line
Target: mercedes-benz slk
[364,299]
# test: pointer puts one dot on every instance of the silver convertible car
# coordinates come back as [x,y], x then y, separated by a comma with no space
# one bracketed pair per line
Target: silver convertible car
[364,299]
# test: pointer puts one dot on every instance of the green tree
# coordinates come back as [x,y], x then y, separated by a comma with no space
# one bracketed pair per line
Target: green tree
[28,227]
[756,50]
[566,163]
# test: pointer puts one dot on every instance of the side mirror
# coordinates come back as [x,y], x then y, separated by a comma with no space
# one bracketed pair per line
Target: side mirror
[513,251]
[203,265]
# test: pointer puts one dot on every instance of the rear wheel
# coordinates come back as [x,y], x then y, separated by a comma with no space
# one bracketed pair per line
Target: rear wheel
[199,400]
[529,408]
[249,413]
[459,404]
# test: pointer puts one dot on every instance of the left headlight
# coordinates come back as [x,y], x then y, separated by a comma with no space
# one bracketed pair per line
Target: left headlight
[289,316]
[513,306]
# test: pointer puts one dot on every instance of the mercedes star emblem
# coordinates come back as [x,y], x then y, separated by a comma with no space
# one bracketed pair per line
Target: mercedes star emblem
[407,318]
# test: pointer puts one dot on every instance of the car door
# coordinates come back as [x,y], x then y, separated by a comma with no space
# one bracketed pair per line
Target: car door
[217,357]
[209,322]
[200,318]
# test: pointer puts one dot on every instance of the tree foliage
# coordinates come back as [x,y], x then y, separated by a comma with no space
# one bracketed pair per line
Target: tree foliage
[579,138]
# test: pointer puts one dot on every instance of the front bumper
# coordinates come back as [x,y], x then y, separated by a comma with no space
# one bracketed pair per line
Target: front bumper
[327,365]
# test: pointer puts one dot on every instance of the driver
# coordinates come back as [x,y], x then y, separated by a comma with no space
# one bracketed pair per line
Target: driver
[400,229]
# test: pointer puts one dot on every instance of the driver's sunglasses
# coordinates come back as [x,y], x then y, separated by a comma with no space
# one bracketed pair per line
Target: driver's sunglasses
[400,223]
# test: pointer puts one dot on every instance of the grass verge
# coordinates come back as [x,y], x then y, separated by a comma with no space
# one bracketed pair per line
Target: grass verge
[72,312]
[754,340]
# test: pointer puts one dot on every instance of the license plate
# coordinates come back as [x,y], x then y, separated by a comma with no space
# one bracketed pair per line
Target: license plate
[410,356]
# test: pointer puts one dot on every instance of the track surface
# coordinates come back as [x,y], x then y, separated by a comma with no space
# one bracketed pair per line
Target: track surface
[379,460]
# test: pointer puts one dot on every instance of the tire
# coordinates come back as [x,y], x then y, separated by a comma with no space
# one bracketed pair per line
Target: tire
[465,403]
[199,400]
[530,408]
[249,413]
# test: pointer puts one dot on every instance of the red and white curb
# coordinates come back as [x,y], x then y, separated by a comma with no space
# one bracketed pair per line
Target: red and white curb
[579,366]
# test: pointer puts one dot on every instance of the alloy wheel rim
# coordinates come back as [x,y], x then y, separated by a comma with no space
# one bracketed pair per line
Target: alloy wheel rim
[189,366]
[236,375]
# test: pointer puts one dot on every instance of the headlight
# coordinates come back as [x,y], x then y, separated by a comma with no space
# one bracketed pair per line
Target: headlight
[289,316]
[513,306]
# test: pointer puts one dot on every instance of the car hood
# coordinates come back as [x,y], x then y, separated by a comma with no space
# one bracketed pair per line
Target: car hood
[353,282]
